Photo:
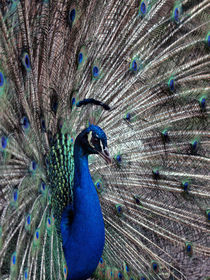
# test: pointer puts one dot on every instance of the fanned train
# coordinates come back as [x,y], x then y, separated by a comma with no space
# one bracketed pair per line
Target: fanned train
[104,139]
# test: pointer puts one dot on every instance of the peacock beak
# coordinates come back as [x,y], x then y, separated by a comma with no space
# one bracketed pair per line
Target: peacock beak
[105,155]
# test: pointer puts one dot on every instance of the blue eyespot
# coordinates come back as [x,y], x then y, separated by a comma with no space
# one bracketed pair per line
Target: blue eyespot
[15,195]
[203,103]
[128,117]
[101,260]
[120,276]
[189,248]
[155,267]
[28,219]
[37,234]
[26,61]
[72,15]
[134,65]
[3,142]
[33,165]
[43,186]
[95,71]
[171,84]
[73,101]
[176,14]
[1,79]
[25,123]
[26,274]
[98,185]
[118,158]
[186,185]
[14,259]
[80,58]
[156,173]
[165,133]
[143,8]
[194,146]
[119,209]
[49,221]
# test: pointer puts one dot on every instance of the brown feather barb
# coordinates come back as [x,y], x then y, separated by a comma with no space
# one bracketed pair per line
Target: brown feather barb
[147,60]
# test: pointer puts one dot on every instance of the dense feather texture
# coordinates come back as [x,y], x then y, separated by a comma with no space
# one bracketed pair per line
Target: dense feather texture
[150,62]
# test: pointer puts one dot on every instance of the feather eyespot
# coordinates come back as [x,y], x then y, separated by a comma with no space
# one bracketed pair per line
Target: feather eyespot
[73,101]
[202,103]
[82,57]
[26,274]
[177,12]
[208,39]
[33,166]
[25,123]
[1,79]
[171,84]
[15,195]
[143,7]
[120,276]
[3,143]
[208,214]
[28,222]
[72,15]
[189,248]
[185,185]
[95,71]
[26,61]
[135,64]
[155,266]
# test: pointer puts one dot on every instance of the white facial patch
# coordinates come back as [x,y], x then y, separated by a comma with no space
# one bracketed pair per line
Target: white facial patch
[89,138]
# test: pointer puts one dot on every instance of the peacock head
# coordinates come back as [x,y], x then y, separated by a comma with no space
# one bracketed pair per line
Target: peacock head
[93,141]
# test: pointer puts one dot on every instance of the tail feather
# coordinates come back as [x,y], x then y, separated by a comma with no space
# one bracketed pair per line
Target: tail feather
[149,61]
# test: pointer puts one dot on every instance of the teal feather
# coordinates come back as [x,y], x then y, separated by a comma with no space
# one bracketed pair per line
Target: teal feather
[149,61]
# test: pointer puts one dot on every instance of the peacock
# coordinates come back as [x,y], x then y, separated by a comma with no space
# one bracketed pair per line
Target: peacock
[104,139]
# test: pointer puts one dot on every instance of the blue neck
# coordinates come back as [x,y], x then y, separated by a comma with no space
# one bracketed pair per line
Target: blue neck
[83,238]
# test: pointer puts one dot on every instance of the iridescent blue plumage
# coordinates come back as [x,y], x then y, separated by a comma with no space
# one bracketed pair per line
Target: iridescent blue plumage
[82,225]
